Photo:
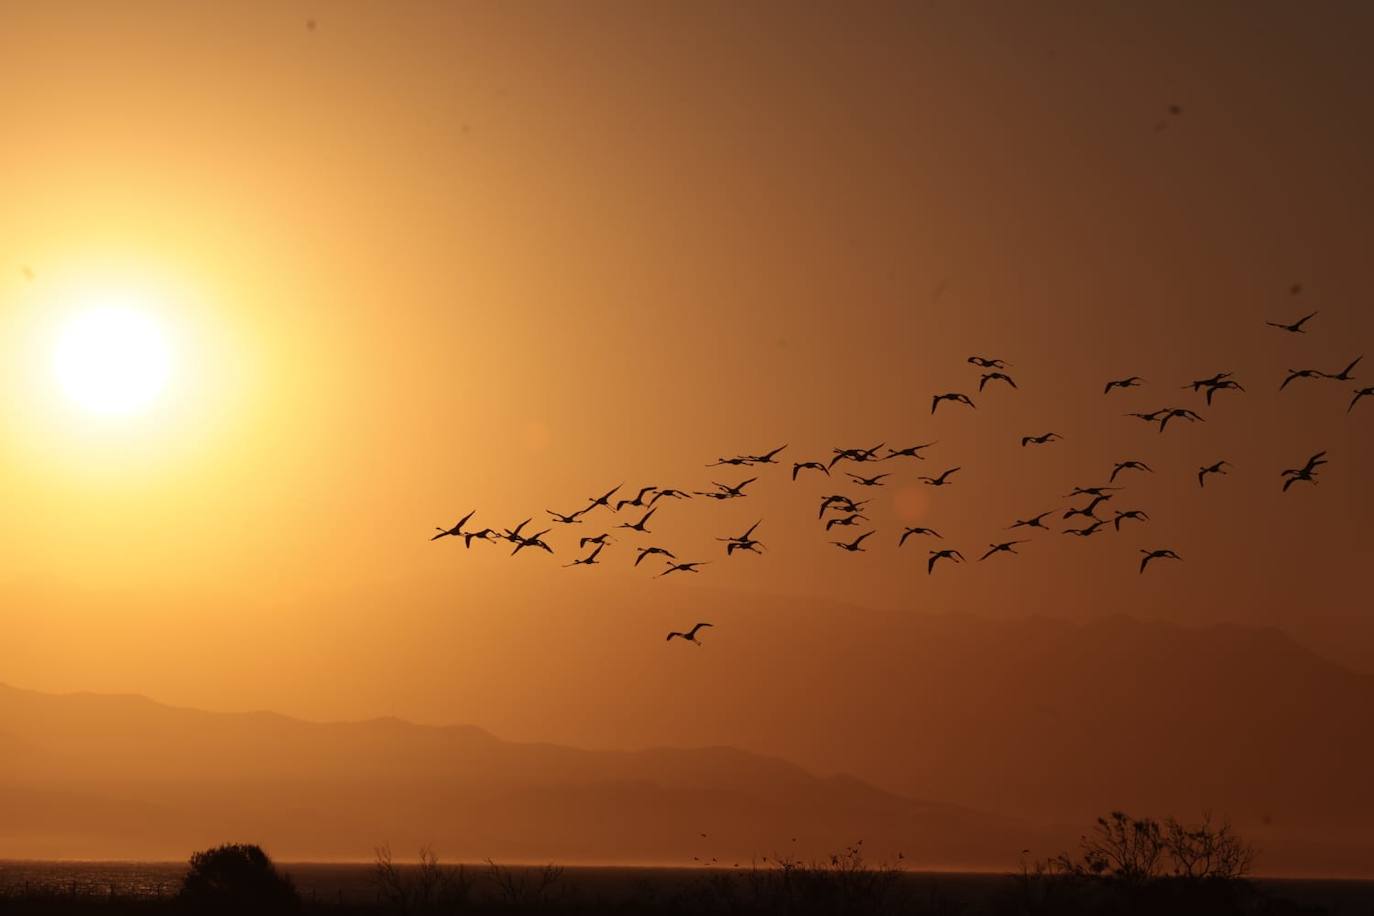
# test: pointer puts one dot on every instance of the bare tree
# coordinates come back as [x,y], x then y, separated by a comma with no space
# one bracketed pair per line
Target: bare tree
[1121,847]
[1205,851]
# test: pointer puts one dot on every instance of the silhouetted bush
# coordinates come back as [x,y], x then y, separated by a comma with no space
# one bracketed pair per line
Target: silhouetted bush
[236,879]
[429,887]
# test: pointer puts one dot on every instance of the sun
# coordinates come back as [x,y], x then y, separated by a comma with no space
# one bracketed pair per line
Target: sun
[112,359]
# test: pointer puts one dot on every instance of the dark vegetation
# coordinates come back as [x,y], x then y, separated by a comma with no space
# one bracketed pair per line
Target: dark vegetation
[1125,865]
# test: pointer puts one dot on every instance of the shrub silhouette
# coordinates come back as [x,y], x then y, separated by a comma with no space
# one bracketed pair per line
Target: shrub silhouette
[236,878]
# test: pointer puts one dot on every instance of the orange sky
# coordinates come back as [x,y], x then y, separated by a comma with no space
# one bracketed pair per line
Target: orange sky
[439,257]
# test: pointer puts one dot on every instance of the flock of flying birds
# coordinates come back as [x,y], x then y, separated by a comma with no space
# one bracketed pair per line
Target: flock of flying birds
[842,511]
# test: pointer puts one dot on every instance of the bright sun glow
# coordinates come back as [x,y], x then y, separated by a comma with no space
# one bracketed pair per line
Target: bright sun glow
[112,360]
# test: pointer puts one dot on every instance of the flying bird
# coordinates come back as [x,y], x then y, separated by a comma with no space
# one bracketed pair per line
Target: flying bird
[1090,510]
[1312,464]
[674,494]
[1040,440]
[1218,468]
[869,481]
[744,541]
[984,363]
[590,559]
[1004,547]
[639,525]
[909,452]
[954,396]
[1301,373]
[1180,412]
[940,481]
[938,555]
[809,466]
[604,499]
[845,520]
[1157,555]
[931,532]
[1128,465]
[532,541]
[513,534]
[1227,385]
[1088,531]
[856,454]
[1035,521]
[767,457]
[1089,491]
[737,460]
[689,636]
[726,491]
[566,519]
[1151,417]
[456,530]
[601,538]
[1207,382]
[647,551]
[1296,327]
[683,567]
[995,377]
[1344,375]
[1132,514]
[1360,393]
[638,501]
[853,546]
[1132,381]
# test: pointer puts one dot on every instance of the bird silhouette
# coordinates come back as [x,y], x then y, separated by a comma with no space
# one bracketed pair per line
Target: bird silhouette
[938,555]
[954,396]
[513,534]
[648,551]
[456,530]
[1004,547]
[1312,464]
[1157,555]
[602,538]
[683,567]
[809,465]
[1360,393]
[1089,491]
[1301,373]
[876,481]
[566,519]
[639,525]
[985,363]
[1088,531]
[845,520]
[1132,514]
[533,540]
[1296,327]
[1151,417]
[484,534]
[670,493]
[1133,381]
[1090,510]
[638,500]
[590,559]
[1225,385]
[736,460]
[767,457]
[726,491]
[1218,468]
[604,499]
[1180,412]
[1207,382]
[1299,475]
[913,451]
[995,377]
[929,532]
[859,455]
[1344,375]
[744,541]
[853,546]
[1035,521]
[1128,465]
[689,636]
[1040,440]
[940,481]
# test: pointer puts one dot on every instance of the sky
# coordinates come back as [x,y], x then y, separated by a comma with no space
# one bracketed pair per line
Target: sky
[426,258]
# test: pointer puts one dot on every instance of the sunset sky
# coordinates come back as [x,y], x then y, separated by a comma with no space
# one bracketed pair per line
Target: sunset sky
[425,258]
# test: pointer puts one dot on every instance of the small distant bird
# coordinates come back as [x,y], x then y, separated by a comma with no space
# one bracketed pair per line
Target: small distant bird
[1180,412]
[811,466]
[744,541]
[604,499]
[683,567]
[767,457]
[845,520]
[1035,521]
[909,452]
[737,460]
[1296,327]
[1151,417]
[534,540]
[728,492]
[1360,393]
[853,546]
[995,377]
[1301,373]
[938,555]
[1157,555]
[985,363]
[1128,382]
[1089,491]
[590,559]
[1218,468]
[456,530]
[485,534]
[1299,475]
[639,525]
[954,396]
[601,538]
[689,636]
[1207,382]
[1088,531]
[1344,375]
[1227,385]
[1128,465]
[930,532]
[513,534]
[1004,547]
[647,551]
[1312,464]
[1090,510]
[856,454]
[1133,514]
[869,481]
[674,494]
[566,519]
[1040,440]
[638,500]
[940,481]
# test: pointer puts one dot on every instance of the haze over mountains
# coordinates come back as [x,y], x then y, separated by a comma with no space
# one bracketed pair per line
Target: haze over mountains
[1015,734]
